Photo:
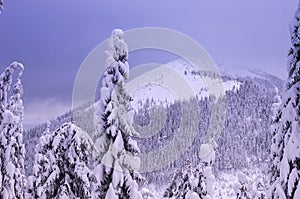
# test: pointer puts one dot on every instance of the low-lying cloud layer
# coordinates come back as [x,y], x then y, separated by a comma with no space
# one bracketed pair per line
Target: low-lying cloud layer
[40,110]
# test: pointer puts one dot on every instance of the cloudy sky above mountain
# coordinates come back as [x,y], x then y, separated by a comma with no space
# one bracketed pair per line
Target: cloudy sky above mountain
[52,38]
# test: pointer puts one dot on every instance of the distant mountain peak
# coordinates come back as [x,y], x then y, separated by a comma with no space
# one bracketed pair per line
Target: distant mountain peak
[224,70]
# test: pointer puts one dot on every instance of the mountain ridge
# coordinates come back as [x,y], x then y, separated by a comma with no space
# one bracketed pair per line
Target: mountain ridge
[31,136]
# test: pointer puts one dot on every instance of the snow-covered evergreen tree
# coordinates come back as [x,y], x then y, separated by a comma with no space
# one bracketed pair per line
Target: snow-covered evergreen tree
[242,188]
[276,147]
[117,171]
[173,189]
[41,170]
[61,165]
[189,182]
[194,182]
[207,158]
[288,131]
[260,190]
[12,149]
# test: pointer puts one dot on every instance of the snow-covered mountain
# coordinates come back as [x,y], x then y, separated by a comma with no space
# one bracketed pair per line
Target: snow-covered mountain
[158,91]
[249,96]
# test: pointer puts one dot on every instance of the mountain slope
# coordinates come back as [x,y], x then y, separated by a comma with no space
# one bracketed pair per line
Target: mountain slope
[249,96]
[197,80]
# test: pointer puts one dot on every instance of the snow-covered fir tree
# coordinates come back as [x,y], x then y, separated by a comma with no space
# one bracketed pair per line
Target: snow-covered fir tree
[36,183]
[260,190]
[194,182]
[276,147]
[12,149]
[288,130]
[118,162]
[242,187]
[61,167]
[172,190]
[187,183]
[207,157]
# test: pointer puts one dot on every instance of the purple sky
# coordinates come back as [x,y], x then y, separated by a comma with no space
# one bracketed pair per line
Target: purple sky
[51,38]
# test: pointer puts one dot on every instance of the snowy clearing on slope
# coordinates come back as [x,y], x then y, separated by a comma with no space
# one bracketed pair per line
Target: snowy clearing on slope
[162,94]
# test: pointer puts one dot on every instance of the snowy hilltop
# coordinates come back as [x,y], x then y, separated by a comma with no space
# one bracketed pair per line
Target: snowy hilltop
[232,78]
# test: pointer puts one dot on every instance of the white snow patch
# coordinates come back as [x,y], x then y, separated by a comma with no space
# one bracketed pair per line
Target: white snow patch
[158,93]
[203,86]
[192,195]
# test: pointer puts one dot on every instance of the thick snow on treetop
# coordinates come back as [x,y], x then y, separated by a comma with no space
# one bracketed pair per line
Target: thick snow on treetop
[117,48]
[192,195]
[207,153]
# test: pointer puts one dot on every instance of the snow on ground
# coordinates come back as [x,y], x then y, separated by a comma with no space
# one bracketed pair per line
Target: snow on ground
[201,84]
[226,184]
[231,85]
[198,82]
[153,192]
[233,71]
[157,92]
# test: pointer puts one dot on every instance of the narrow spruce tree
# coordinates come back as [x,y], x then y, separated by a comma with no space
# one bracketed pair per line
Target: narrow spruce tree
[194,182]
[36,183]
[12,149]
[187,183]
[118,162]
[242,186]
[288,131]
[276,147]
